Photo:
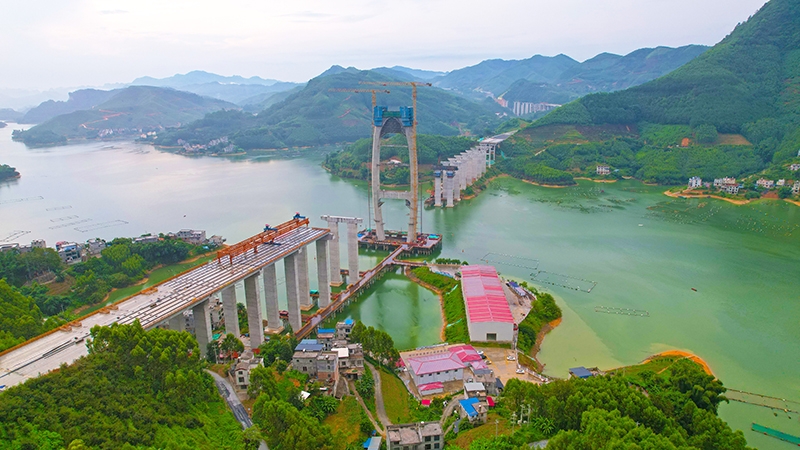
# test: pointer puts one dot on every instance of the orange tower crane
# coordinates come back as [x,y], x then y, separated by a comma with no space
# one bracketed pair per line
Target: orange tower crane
[373,91]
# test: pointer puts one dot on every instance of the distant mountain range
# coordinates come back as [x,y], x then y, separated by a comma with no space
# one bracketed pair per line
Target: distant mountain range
[559,79]
[234,89]
[293,114]
[121,112]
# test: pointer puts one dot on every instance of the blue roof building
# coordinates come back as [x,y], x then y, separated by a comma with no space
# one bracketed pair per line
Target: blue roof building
[580,372]
[473,409]
[309,345]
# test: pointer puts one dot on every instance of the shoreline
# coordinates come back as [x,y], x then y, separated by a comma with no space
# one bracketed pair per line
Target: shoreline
[595,180]
[537,346]
[684,354]
[410,275]
[729,200]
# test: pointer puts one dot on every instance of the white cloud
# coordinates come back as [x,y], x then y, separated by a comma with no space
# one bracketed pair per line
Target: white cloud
[56,42]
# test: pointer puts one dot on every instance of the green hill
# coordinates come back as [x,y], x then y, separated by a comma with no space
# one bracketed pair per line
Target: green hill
[749,83]
[317,116]
[128,112]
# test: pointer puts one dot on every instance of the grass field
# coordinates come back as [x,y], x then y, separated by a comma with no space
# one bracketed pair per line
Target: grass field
[657,364]
[486,430]
[396,399]
[347,420]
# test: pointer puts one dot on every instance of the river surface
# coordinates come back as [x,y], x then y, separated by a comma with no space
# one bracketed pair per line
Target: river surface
[634,247]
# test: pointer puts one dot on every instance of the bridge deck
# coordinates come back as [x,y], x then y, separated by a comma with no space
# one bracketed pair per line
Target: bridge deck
[157,305]
[345,295]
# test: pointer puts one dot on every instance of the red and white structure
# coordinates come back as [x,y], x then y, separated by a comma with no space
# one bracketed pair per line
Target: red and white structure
[488,314]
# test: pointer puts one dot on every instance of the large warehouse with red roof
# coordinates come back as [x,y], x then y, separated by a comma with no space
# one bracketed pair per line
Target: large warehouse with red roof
[488,314]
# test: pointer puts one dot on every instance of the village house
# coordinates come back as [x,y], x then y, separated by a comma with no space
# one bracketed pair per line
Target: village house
[343,330]
[764,183]
[351,359]
[794,167]
[241,373]
[473,409]
[95,246]
[431,367]
[195,237]
[796,188]
[603,170]
[720,182]
[695,182]
[415,436]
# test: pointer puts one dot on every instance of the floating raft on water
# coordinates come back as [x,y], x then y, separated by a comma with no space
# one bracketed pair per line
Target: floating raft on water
[776,434]
[622,311]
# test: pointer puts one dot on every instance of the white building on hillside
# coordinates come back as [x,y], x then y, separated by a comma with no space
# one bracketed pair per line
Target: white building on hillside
[695,182]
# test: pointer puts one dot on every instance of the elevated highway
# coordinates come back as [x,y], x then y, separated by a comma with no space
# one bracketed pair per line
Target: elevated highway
[166,302]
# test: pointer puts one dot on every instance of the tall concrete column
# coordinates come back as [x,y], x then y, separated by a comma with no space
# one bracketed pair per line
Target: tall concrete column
[202,325]
[336,262]
[290,267]
[457,183]
[255,320]
[303,288]
[322,274]
[177,323]
[376,183]
[270,278]
[448,189]
[229,309]
[437,188]
[352,251]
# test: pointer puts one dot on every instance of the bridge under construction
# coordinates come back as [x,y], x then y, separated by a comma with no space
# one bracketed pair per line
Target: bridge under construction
[251,263]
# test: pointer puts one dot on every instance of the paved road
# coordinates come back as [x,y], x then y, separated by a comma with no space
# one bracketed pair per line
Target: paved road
[379,406]
[226,391]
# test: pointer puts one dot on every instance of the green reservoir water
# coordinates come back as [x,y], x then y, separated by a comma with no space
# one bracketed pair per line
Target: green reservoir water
[744,261]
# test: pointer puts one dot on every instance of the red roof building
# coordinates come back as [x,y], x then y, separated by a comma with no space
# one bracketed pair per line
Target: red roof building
[488,314]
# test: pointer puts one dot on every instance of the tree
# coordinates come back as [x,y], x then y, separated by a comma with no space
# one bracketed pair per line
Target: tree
[262,382]
[285,428]
[251,437]
[231,344]
[785,192]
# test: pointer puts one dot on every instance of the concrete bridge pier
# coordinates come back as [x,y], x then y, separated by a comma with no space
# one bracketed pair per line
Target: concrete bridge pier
[177,323]
[437,188]
[255,320]
[202,326]
[336,263]
[322,274]
[303,287]
[270,279]
[352,251]
[449,182]
[229,310]
[293,300]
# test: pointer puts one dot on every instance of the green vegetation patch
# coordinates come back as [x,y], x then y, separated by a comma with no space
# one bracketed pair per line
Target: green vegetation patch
[455,313]
[7,171]
[396,398]
[135,389]
[543,311]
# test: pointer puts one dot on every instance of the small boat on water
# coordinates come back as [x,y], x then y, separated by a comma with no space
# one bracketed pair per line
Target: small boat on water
[694,289]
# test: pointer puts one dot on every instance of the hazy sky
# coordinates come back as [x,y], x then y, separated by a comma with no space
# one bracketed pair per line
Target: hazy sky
[56,43]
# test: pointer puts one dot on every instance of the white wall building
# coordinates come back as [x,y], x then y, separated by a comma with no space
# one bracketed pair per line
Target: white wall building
[695,182]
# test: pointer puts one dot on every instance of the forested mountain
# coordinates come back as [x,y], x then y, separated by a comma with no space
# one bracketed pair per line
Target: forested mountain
[78,100]
[496,75]
[127,111]
[560,78]
[315,115]
[749,83]
[605,72]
